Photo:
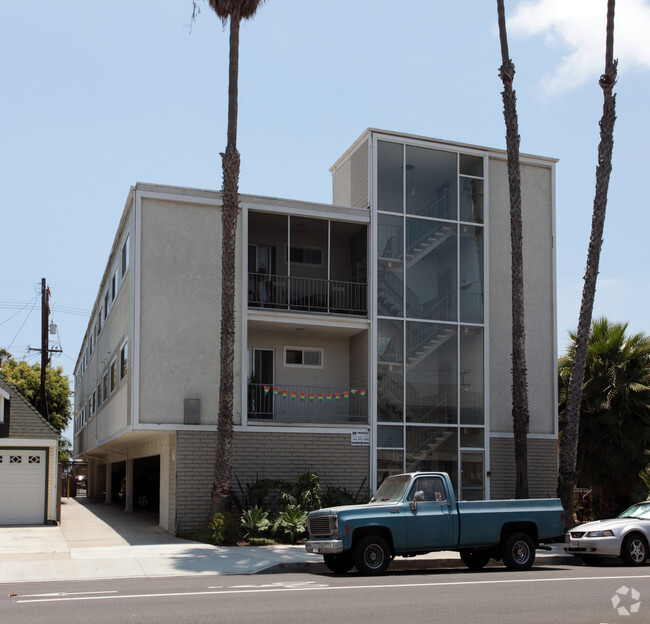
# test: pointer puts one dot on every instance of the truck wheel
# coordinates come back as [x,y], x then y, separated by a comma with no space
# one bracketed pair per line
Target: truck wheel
[339,564]
[475,559]
[634,551]
[518,551]
[372,555]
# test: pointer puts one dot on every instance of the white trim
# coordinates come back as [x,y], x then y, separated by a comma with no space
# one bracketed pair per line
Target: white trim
[337,429]
[136,276]
[554,334]
[486,321]
[243,300]
[530,436]
[4,395]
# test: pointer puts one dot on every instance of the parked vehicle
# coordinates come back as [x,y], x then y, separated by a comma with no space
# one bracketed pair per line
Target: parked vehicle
[412,514]
[81,481]
[626,536]
[145,489]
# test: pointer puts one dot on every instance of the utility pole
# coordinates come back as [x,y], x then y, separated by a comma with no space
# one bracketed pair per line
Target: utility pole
[45,346]
[45,355]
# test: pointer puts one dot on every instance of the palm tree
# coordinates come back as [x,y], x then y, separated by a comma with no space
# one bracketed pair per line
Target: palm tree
[520,413]
[569,440]
[614,414]
[236,11]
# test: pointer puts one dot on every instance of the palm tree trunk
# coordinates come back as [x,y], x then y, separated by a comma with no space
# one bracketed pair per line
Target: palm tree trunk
[520,413]
[229,215]
[569,440]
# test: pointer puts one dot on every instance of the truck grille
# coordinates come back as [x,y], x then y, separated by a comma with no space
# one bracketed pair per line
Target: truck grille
[319,525]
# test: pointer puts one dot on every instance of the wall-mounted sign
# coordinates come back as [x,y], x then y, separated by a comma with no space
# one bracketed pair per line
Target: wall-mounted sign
[360,438]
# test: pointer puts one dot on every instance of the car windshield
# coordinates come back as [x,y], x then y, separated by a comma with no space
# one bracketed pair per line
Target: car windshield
[391,490]
[642,510]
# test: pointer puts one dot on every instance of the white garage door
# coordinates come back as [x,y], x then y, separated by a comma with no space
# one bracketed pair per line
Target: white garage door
[22,486]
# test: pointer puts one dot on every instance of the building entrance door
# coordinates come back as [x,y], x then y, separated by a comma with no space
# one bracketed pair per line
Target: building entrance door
[260,387]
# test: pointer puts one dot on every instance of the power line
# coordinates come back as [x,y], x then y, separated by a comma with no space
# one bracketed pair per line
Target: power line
[23,325]
[19,307]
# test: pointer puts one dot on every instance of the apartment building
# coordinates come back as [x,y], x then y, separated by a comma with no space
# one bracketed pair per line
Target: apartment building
[373,334]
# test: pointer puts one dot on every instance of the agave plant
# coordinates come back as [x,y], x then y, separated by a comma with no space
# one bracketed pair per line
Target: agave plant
[256,521]
[291,522]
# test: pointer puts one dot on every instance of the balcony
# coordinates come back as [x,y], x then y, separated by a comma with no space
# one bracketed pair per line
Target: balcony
[306,294]
[307,405]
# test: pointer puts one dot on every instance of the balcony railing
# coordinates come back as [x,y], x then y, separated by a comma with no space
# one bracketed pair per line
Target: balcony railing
[306,294]
[314,405]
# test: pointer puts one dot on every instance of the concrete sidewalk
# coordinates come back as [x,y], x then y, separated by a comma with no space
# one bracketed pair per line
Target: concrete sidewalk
[97,541]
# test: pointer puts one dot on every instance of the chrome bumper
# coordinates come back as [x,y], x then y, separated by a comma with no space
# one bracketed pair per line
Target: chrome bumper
[325,547]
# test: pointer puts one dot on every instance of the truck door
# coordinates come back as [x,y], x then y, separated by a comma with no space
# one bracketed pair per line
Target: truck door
[433,524]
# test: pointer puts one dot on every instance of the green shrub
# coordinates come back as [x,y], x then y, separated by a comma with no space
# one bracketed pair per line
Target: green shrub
[261,541]
[256,521]
[291,523]
[223,529]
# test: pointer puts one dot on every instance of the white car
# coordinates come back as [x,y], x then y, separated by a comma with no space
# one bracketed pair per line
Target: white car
[626,536]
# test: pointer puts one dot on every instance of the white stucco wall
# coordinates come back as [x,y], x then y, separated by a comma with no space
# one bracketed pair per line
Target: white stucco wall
[539,294]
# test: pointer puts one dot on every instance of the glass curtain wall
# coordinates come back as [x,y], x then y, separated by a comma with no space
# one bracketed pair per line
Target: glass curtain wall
[430,314]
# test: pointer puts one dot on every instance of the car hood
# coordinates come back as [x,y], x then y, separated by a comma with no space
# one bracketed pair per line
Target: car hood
[603,525]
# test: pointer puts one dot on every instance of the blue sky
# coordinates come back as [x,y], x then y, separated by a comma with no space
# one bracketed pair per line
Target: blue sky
[100,95]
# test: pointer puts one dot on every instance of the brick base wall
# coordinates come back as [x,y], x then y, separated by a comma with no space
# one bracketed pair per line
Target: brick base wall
[194,472]
[542,468]
[264,456]
[287,455]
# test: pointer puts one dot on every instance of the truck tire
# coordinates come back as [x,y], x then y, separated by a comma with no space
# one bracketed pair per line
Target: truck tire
[634,551]
[518,551]
[475,559]
[339,564]
[372,555]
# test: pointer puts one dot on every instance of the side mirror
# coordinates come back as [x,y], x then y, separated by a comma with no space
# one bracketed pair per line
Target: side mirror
[418,496]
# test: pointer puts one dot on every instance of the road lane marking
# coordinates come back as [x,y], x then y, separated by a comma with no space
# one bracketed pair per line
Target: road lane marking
[270,590]
[61,594]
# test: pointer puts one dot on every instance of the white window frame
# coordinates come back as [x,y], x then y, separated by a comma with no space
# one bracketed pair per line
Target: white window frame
[3,395]
[318,350]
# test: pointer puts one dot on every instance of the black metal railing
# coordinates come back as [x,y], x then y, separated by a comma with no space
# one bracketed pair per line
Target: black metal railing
[307,404]
[306,294]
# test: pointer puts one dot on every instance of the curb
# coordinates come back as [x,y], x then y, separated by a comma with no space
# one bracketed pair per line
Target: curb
[413,563]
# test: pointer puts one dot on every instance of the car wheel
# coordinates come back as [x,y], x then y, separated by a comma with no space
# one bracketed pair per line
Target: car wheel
[339,564]
[372,555]
[634,551]
[518,551]
[475,559]
[142,500]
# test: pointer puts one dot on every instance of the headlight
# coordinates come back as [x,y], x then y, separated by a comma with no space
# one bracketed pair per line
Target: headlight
[334,525]
[600,534]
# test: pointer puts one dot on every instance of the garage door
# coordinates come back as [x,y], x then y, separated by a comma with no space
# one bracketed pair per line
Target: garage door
[22,486]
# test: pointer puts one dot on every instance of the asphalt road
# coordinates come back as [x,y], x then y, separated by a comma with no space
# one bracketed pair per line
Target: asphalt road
[580,595]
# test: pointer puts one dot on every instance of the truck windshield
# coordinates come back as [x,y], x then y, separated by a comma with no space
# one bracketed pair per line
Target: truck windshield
[391,490]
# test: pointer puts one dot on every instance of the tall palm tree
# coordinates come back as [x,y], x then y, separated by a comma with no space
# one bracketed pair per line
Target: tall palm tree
[570,434]
[235,11]
[520,413]
[614,413]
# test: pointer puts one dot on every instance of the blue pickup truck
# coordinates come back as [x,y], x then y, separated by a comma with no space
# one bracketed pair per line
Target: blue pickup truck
[416,513]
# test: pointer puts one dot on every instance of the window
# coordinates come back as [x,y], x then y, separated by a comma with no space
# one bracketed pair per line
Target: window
[106,305]
[113,375]
[113,286]
[105,386]
[298,356]
[91,341]
[99,321]
[302,255]
[124,360]
[125,256]
[99,395]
